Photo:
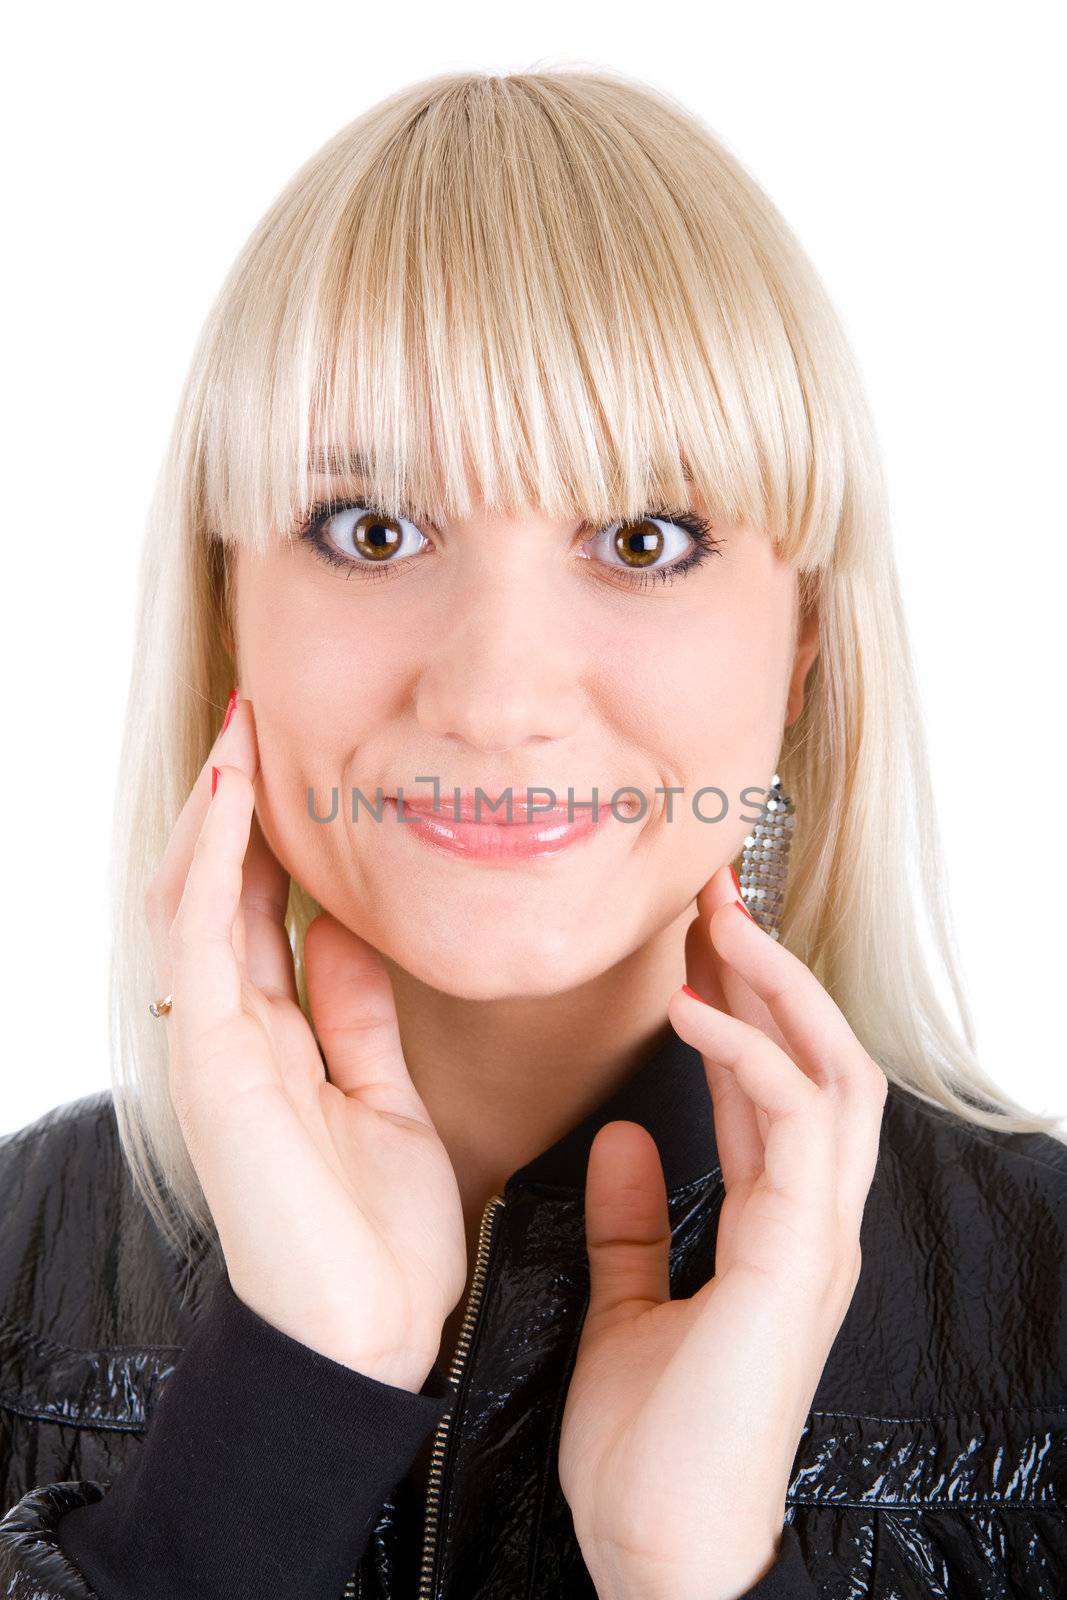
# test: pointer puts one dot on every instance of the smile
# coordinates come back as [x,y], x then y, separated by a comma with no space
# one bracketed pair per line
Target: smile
[530,832]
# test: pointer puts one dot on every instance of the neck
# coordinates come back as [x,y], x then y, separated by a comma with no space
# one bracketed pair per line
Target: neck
[504,1079]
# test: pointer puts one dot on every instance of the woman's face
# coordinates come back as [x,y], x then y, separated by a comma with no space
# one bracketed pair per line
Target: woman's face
[510,653]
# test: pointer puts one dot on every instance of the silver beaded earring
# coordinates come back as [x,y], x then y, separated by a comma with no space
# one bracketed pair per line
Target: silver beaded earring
[765,859]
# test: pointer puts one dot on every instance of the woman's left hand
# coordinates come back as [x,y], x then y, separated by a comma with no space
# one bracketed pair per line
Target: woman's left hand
[683,1417]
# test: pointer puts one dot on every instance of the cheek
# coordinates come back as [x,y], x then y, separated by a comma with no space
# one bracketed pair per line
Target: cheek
[321,689]
[719,699]
[317,682]
[715,725]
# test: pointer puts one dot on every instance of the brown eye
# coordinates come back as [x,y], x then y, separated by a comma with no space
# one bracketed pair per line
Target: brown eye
[374,536]
[357,535]
[639,543]
[637,546]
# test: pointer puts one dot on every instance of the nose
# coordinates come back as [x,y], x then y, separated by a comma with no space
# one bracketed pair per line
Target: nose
[504,669]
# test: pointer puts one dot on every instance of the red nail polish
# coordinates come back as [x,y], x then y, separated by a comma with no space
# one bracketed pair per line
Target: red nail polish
[231,702]
[693,992]
[737,883]
[745,909]
[214,779]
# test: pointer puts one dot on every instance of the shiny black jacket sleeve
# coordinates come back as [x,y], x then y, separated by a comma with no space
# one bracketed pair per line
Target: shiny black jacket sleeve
[263,1470]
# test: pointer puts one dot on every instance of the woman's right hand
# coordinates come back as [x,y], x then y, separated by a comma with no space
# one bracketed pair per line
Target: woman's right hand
[335,1202]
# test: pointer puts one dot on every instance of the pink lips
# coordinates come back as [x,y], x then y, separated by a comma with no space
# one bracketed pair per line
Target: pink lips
[530,832]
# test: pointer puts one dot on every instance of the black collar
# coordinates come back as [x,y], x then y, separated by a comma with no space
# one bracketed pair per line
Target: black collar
[668,1094]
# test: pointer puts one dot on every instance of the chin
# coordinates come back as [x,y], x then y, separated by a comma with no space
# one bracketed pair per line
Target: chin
[478,969]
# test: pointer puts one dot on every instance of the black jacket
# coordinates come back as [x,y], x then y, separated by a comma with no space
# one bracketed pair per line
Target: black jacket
[159,1440]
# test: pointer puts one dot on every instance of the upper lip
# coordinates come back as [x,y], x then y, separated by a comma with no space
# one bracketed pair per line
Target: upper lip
[489,807]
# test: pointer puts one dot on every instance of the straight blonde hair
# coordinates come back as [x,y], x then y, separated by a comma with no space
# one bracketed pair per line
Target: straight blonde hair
[562,282]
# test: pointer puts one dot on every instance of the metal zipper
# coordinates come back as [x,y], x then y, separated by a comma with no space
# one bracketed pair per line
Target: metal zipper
[494,1205]
[354,1587]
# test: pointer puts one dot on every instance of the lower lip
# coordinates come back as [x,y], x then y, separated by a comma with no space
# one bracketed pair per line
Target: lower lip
[547,835]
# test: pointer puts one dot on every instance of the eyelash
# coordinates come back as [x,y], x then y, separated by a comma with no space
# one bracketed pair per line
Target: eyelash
[698,528]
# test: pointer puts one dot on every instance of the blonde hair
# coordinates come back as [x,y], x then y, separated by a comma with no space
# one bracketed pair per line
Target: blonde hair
[562,282]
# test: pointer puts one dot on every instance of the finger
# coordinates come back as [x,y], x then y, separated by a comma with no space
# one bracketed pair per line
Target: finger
[799,1153]
[237,747]
[354,1014]
[814,1031]
[741,999]
[719,890]
[703,964]
[730,992]
[627,1222]
[738,1137]
[268,954]
[206,979]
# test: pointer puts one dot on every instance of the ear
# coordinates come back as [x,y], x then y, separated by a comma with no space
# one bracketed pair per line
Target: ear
[807,648]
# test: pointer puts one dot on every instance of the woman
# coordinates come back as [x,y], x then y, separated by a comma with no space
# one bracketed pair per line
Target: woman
[536,1188]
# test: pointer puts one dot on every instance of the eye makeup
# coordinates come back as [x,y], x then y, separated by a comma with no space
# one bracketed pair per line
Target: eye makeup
[313,531]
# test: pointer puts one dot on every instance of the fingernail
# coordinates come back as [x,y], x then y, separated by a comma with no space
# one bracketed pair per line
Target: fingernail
[737,882]
[696,996]
[231,702]
[745,909]
[214,779]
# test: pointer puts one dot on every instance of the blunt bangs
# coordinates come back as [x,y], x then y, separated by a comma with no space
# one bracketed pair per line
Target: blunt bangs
[482,299]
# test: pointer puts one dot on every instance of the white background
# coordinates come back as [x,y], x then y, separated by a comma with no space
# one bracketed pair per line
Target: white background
[917,150]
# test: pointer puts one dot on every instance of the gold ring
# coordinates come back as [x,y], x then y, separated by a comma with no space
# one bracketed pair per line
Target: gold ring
[159,1008]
